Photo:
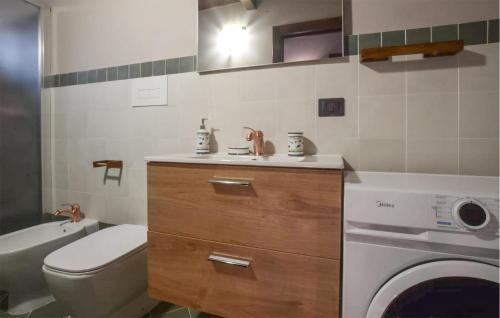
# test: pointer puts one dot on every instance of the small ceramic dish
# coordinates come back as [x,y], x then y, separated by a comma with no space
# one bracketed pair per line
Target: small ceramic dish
[238,151]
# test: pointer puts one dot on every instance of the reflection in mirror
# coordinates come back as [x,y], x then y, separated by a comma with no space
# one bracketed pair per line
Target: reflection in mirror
[244,33]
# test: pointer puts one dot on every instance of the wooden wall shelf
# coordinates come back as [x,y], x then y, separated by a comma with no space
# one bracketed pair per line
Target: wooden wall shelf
[427,49]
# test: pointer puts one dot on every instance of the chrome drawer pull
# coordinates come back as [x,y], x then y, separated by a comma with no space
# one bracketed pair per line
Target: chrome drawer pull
[228,260]
[231,182]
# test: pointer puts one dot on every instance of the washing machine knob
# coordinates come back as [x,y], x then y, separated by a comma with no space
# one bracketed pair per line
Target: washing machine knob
[471,214]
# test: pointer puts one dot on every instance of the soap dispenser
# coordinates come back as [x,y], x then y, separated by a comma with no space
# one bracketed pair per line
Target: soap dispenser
[202,139]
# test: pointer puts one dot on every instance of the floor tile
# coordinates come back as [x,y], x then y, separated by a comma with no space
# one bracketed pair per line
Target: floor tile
[4,314]
[4,301]
[197,314]
[52,310]
[180,313]
[163,308]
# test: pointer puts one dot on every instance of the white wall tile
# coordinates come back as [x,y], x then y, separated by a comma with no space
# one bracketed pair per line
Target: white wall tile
[382,155]
[414,98]
[479,68]
[382,78]
[98,123]
[432,116]
[382,117]
[479,115]
[76,125]
[337,79]
[433,156]
[188,88]
[479,157]
[438,75]
[295,83]
[224,88]
[348,147]
[257,85]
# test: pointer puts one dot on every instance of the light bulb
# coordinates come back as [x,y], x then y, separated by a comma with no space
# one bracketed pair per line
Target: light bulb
[233,39]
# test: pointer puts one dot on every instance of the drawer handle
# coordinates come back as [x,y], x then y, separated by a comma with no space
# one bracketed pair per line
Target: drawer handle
[231,182]
[228,260]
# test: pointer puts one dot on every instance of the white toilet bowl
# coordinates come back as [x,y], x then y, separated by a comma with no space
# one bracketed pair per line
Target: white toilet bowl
[21,259]
[103,274]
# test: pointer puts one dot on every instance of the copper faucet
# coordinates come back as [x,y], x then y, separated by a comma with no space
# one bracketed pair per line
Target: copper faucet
[257,136]
[73,212]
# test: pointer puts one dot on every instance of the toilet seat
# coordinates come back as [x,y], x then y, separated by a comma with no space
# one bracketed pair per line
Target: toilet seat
[99,250]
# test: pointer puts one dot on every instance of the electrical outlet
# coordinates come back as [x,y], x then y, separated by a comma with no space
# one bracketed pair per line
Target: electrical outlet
[331,107]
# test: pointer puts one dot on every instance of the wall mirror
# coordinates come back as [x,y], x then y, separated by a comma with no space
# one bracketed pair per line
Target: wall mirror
[247,33]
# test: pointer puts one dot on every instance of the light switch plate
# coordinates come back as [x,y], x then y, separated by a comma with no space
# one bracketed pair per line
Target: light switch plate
[149,91]
[331,107]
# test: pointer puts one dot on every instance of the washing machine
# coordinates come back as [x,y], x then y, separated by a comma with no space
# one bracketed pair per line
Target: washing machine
[418,245]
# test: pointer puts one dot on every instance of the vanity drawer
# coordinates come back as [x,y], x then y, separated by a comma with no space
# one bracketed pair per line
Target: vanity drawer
[275,284]
[283,209]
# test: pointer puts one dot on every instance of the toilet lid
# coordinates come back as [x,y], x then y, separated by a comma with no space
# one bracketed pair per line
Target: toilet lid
[99,249]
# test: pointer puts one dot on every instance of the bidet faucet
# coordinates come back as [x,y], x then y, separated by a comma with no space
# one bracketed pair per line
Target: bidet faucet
[73,212]
[257,136]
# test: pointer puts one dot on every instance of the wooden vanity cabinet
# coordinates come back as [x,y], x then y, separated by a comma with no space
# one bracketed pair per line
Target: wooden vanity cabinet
[281,227]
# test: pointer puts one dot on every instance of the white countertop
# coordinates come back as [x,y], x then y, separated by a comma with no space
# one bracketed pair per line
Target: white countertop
[278,160]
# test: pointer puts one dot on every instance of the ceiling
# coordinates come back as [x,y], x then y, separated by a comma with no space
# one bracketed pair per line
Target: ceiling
[206,4]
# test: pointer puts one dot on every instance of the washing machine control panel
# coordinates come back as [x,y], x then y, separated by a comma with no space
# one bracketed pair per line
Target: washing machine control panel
[466,214]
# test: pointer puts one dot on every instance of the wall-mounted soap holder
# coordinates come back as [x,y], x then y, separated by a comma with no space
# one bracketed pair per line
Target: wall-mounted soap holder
[108,164]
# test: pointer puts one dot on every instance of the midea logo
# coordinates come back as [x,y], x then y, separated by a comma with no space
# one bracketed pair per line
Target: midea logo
[381,204]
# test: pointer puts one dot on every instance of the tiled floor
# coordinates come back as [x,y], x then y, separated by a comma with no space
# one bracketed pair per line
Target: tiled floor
[163,310]
[54,310]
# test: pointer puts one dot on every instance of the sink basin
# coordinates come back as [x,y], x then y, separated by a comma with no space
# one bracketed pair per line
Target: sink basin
[226,158]
[277,160]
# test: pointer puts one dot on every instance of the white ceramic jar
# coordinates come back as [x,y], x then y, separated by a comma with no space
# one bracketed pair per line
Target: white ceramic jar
[296,144]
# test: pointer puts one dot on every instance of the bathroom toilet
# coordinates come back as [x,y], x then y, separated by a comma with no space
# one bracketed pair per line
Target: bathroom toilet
[103,274]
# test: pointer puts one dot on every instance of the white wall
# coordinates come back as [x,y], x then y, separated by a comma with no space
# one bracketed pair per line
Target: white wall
[385,15]
[436,115]
[89,34]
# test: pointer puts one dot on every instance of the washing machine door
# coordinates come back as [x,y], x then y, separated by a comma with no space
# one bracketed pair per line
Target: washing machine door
[450,288]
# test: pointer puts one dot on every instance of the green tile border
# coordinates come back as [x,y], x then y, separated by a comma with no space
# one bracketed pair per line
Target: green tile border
[393,38]
[159,67]
[102,74]
[135,70]
[113,73]
[187,64]
[146,69]
[82,77]
[493,31]
[351,45]
[418,36]
[123,72]
[473,32]
[442,33]
[369,40]
[476,32]
[172,66]
[92,76]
